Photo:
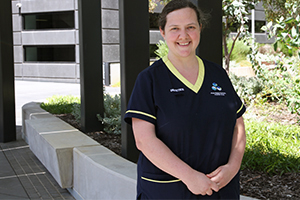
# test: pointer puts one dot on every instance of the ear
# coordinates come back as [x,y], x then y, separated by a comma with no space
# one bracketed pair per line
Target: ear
[162,32]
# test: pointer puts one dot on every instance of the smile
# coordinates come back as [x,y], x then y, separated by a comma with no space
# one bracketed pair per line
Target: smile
[183,44]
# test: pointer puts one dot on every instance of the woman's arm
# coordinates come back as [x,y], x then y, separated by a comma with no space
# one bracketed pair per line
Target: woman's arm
[163,158]
[224,174]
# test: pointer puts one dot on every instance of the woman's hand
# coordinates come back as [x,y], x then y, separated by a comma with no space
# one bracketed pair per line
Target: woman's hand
[222,175]
[162,157]
[198,183]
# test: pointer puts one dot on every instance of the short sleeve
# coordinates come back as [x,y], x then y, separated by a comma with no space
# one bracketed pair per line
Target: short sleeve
[241,108]
[141,103]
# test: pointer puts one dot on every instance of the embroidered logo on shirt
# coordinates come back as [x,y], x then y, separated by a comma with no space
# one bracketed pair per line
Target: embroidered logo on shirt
[217,90]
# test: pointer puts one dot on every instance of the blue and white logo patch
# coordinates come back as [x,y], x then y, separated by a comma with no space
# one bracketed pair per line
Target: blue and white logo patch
[217,90]
[215,87]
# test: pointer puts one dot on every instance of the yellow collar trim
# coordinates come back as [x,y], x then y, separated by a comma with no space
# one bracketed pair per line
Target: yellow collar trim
[176,73]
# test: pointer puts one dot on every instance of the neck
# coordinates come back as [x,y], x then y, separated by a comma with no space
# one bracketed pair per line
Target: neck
[186,63]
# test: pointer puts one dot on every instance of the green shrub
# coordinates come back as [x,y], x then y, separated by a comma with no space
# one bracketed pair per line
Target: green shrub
[272,148]
[76,112]
[112,114]
[60,104]
[240,50]
[246,88]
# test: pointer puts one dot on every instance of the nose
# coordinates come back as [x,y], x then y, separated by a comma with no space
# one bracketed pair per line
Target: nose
[183,34]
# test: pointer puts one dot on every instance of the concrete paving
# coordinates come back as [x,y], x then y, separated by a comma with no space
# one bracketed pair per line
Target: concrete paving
[22,176]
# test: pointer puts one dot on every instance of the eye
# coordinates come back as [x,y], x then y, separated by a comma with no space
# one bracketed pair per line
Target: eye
[174,29]
[191,27]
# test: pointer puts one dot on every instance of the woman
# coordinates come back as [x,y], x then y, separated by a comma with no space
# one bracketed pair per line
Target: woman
[186,118]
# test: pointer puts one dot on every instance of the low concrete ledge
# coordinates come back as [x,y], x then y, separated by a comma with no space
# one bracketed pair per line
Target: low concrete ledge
[77,162]
[52,141]
[101,168]
[32,110]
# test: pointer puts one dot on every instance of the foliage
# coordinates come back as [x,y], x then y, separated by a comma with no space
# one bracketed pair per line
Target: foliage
[240,51]
[235,18]
[286,28]
[162,50]
[274,9]
[76,112]
[246,88]
[112,114]
[71,104]
[153,4]
[280,81]
[271,147]
[59,104]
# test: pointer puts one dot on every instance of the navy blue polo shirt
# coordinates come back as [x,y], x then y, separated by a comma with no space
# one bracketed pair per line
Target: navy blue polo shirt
[195,121]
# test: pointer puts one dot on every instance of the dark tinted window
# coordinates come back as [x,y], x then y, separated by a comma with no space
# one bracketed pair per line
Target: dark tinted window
[57,20]
[56,53]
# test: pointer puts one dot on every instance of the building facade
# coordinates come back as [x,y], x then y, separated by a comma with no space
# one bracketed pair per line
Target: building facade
[46,41]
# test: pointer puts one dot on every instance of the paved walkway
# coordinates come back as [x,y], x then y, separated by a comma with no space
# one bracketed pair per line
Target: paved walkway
[22,176]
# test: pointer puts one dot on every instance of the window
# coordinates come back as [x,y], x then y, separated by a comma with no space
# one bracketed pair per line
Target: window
[57,20]
[258,25]
[57,53]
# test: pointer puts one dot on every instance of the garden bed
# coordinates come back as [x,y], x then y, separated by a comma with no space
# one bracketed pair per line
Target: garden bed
[253,183]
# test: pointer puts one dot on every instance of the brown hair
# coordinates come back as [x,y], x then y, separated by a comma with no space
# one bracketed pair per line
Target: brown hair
[179,4]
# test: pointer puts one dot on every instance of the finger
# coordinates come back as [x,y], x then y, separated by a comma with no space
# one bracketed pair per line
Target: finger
[215,179]
[214,173]
[215,187]
[209,192]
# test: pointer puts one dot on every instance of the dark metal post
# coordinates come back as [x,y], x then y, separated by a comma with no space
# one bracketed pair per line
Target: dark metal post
[91,78]
[7,89]
[210,46]
[106,73]
[134,56]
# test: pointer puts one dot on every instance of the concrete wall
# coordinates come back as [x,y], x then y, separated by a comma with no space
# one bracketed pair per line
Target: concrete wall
[52,71]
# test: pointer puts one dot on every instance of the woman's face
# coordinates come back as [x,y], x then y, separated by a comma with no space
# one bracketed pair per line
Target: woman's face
[182,33]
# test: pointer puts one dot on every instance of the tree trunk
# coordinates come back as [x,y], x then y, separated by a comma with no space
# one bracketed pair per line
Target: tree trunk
[226,55]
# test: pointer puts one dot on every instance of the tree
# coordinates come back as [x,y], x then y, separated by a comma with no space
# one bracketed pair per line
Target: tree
[286,27]
[275,9]
[235,18]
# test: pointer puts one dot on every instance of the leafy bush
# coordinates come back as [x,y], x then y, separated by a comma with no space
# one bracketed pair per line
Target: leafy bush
[112,114]
[76,112]
[70,104]
[240,50]
[59,104]
[271,147]
[281,80]
[246,88]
